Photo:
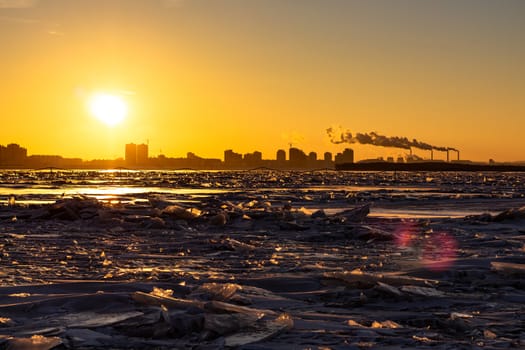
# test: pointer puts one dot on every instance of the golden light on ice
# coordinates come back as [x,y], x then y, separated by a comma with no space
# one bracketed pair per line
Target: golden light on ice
[109,109]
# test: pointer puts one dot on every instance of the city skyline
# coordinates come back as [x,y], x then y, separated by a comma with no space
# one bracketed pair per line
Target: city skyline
[136,156]
[82,77]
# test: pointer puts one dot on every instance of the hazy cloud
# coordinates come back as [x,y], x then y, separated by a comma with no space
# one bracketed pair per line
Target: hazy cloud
[17,4]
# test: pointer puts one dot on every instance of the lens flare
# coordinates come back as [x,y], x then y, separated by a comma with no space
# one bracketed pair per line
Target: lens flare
[405,235]
[439,252]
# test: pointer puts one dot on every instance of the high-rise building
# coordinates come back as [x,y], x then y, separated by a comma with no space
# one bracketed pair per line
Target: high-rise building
[327,157]
[253,157]
[136,154]
[131,154]
[142,154]
[297,158]
[232,158]
[296,155]
[281,155]
[346,157]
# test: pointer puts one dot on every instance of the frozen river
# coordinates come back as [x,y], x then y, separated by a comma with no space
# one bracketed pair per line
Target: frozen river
[401,194]
[165,259]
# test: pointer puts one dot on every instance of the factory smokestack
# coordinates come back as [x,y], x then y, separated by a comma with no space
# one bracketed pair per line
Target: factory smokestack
[375,139]
[448,158]
[458,154]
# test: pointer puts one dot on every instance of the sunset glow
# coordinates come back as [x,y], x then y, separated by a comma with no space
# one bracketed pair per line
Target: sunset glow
[109,109]
[262,174]
[207,76]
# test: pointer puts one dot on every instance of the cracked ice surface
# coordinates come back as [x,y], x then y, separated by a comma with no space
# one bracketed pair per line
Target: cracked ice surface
[261,260]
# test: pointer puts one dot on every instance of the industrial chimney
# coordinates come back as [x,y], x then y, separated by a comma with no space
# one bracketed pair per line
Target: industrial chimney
[448,158]
[458,154]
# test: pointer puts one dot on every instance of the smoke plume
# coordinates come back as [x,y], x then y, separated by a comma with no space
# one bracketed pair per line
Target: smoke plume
[376,139]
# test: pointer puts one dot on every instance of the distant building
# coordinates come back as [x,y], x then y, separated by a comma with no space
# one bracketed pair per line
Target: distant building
[192,156]
[346,157]
[196,162]
[411,158]
[131,154]
[13,154]
[327,156]
[231,158]
[296,155]
[253,159]
[142,154]
[136,154]
[297,158]
[281,155]
[44,161]
[312,156]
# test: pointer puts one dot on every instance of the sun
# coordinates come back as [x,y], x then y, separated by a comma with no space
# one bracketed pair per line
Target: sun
[109,109]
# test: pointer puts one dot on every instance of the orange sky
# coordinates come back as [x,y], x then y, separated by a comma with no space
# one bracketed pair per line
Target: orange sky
[205,76]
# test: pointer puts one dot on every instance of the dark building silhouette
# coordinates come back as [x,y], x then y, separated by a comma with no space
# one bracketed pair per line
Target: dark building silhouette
[136,154]
[232,159]
[131,154]
[297,158]
[43,161]
[13,154]
[281,155]
[194,161]
[253,159]
[142,154]
[346,157]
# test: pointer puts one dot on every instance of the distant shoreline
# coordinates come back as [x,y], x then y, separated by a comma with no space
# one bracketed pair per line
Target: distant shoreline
[368,166]
[428,166]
